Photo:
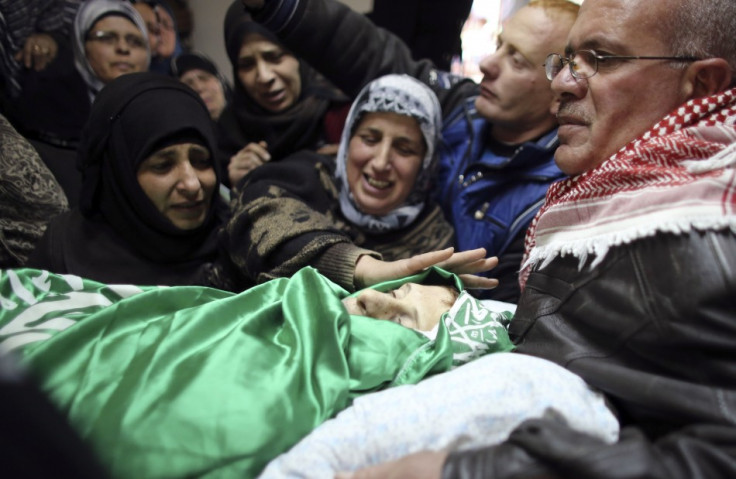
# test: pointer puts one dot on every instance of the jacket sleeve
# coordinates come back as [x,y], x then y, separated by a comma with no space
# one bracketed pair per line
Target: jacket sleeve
[281,222]
[350,50]
[546,449]
[653,327]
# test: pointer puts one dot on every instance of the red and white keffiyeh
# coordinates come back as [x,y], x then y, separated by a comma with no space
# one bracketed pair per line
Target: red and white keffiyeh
[678,176]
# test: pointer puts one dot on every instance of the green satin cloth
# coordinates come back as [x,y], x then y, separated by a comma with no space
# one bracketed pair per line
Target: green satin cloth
[191,381]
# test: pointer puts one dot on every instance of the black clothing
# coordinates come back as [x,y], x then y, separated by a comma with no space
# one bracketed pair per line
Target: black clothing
[304,125]
[653,328]
[117,225]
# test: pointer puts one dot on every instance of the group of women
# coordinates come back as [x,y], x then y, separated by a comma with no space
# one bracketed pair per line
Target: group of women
[347,193]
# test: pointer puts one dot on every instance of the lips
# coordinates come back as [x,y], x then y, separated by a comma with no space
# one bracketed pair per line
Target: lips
[189,208]
[274,97]
[376,183]
[123,66]
[486,92]
[570,114]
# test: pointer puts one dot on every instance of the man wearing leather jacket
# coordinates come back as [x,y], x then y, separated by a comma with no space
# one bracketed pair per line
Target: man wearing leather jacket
[630,266]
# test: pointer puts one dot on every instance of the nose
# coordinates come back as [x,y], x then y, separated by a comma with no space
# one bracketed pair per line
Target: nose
[188,183]
[264,73]
[121,46]
[376,304]
[382,156]
[489,66]
[565,83]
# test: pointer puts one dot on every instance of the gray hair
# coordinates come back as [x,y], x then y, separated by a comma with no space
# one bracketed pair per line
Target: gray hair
[704,29]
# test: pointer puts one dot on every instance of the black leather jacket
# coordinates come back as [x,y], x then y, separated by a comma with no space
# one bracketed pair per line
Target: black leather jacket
[654,327]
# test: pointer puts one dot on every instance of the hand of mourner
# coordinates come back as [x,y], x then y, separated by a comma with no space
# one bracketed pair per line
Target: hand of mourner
[329,149]
[249,158]
[254,4]
[466,264]
[39,50]
[420,465]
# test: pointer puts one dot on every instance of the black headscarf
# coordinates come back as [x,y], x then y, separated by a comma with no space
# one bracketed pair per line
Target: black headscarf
[244,121]
[131,118]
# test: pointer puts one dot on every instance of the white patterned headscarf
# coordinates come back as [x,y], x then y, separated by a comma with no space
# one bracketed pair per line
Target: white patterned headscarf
[406,96]
[88,14]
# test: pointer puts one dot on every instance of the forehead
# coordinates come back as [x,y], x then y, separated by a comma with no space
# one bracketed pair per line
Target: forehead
[149,16]
[620,26]
[393,121]
[534,33]
[197,72]
[255,42]
[115,22]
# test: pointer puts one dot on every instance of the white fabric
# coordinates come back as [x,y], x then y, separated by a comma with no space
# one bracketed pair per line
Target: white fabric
[475,405]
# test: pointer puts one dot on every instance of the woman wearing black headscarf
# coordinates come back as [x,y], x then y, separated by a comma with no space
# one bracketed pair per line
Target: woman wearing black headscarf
[288,108]
[150,206]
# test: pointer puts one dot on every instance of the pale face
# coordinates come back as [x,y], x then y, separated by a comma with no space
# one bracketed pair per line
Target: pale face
[269,73]
[385,155]
[122,51]
[601,114]
[209,88]
[414,306]
[180,181]
[515,94]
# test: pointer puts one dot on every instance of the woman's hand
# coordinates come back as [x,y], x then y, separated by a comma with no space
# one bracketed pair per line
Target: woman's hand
[253,4]
[249,158]
[466,264]
[39,50]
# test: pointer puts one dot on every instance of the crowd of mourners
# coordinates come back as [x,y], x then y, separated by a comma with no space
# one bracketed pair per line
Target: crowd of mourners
[588,180]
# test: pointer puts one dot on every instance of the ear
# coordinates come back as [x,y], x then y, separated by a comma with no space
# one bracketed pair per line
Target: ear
[707,77]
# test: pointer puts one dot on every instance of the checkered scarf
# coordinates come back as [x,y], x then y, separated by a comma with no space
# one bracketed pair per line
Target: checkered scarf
[678,176]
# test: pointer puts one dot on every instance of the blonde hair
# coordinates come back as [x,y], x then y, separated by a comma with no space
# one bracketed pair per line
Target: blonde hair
[553,7]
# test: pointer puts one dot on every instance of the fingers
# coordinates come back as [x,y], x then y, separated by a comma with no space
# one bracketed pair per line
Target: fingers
[330,149]
[249,158]
[420,262]
[470,261]
[38,51]
[471,281]
[260,150]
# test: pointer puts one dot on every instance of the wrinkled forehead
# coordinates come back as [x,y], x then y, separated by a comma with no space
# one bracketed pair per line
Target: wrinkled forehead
[620,27]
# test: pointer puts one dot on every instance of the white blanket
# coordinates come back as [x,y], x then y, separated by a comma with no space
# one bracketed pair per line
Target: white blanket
[475,405]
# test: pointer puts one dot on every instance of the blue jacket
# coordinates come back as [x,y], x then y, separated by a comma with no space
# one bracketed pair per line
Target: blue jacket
[491,199]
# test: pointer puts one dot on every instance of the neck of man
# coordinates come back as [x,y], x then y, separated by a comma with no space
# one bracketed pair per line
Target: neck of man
[514,136]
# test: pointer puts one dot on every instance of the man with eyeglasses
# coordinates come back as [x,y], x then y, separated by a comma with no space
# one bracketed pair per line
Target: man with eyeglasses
[499,137]
[630,267]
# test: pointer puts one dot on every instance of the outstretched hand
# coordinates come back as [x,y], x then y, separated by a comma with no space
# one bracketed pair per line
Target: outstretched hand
[254,4]
[466,264]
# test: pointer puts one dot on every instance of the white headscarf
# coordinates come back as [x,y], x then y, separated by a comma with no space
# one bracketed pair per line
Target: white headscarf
[88,14]
[406,96]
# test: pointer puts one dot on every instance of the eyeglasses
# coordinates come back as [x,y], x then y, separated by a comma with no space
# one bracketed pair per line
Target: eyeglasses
[584,63]
[113,38]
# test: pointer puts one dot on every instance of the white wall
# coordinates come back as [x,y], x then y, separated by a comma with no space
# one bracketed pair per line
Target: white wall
[207,32]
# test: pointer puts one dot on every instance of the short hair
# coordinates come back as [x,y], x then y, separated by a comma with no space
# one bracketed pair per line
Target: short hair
[557,7]
[703,29]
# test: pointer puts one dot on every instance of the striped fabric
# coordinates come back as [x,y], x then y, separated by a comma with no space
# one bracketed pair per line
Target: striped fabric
[679,176]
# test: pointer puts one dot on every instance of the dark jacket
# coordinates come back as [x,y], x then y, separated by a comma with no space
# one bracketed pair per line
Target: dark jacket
[653,327]
[287,216]
[491,211]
